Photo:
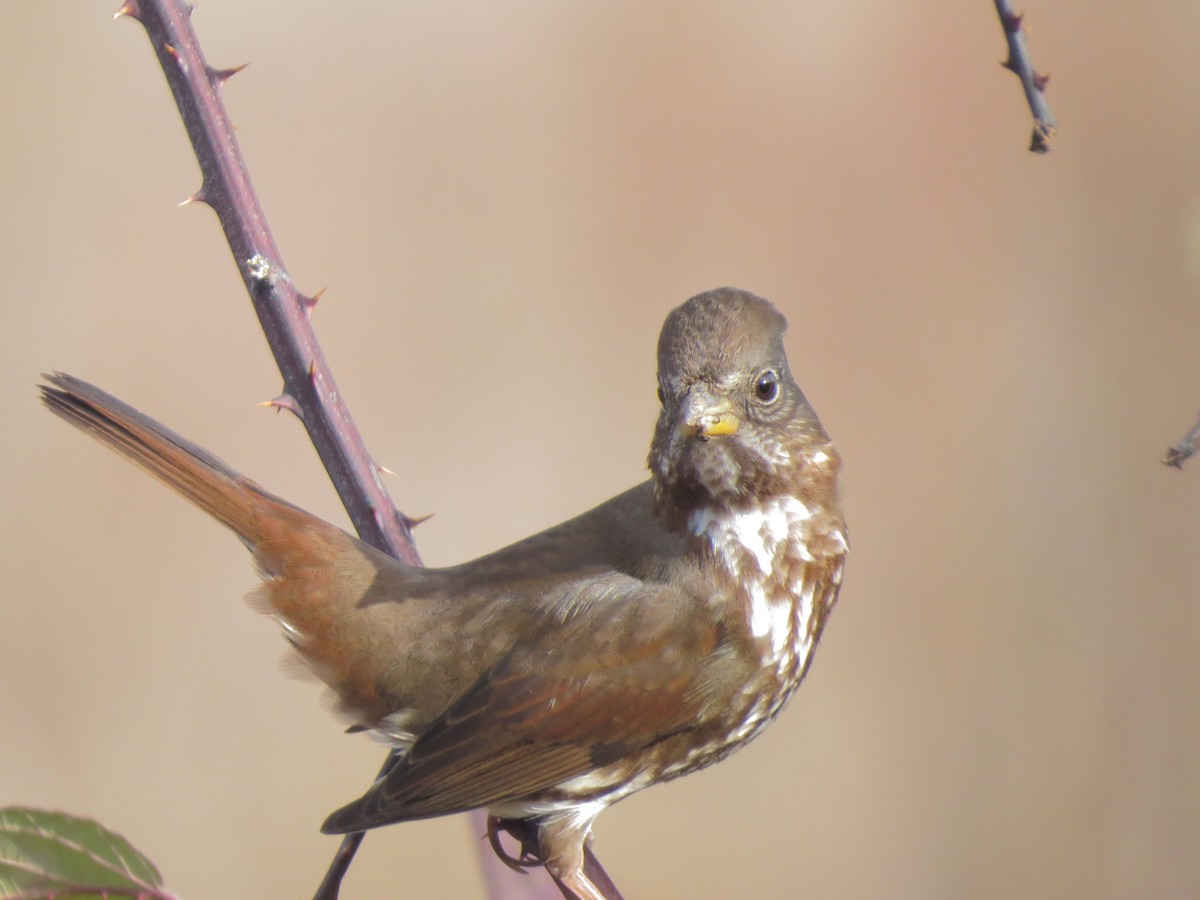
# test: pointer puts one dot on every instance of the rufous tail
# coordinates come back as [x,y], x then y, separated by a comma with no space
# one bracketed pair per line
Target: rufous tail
[315,574]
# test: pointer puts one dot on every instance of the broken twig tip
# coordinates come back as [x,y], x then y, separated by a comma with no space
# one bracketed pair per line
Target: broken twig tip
[1177,456]
[1184,450]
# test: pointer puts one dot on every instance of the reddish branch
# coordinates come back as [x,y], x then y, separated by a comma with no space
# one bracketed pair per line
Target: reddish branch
[309,390]
[1034,84]
[1186,448]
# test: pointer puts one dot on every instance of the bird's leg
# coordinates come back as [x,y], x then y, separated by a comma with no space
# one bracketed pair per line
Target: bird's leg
[560,844]
[581,886]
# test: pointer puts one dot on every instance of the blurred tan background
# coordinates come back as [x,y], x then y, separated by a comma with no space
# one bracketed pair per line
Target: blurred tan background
[504,199]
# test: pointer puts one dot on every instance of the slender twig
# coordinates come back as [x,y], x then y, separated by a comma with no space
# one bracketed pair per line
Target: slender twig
[1186,448]
[1034,84]
[309,390]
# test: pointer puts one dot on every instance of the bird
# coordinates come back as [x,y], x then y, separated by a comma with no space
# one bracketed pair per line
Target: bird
[640,641]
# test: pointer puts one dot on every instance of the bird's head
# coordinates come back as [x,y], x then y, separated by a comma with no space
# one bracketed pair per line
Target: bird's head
[734,426]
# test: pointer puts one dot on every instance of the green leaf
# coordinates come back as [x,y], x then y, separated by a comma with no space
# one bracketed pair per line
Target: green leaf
[54,856]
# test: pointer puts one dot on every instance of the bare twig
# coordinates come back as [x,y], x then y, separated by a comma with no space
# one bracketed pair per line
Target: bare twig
[309,391]
[1186,448]
[1034,84]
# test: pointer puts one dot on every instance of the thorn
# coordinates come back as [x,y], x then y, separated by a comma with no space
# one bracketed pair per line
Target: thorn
[220,76]
[1012,22]
[1010,65]
[308,303]
[413,522]
[385,470]
[197,197]
[171,51]
[285,401]
[312,371]
[130,9]
[1040,81]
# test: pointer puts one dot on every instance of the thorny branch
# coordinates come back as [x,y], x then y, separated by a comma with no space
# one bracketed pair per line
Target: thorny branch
[309,390]
[1034,84]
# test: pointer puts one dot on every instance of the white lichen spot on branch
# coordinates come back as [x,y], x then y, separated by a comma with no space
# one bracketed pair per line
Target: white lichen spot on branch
[259,268]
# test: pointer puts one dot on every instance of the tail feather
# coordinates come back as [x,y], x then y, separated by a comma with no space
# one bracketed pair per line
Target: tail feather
[315,575]
[183,466]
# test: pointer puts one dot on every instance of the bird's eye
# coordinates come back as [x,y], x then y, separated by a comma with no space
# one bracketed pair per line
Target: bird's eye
[766,389]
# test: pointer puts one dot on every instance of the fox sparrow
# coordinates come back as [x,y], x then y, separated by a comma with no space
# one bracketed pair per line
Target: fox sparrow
[638,642]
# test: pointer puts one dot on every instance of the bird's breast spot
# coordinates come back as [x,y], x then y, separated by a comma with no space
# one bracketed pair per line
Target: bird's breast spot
[770,619]
[803,589]
[758,530]
[781,627]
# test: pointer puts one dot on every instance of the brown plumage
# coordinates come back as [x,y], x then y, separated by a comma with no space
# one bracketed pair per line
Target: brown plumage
[639,641]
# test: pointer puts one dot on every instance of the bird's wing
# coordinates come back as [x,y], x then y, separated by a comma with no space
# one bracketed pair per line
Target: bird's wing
[574,699]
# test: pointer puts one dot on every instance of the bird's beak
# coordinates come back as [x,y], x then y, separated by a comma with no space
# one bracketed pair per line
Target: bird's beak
[708,413]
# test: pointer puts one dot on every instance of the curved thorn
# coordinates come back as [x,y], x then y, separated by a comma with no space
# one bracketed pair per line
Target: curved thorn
[197,197]
[308,303]
[130,9]
[285,401]
[220,76]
